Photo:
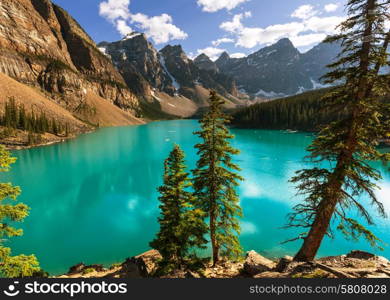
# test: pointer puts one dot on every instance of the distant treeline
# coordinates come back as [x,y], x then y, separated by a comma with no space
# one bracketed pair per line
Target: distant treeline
[306,112]
[300,112]
[16,117]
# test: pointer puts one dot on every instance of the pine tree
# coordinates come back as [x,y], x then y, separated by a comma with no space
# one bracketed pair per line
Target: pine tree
[54,127]
[12,266]
[182,226]
[215,181]
[348,144]
[66,129]
[22,118]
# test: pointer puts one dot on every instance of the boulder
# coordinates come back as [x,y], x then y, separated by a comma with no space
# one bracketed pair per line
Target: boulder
[141,266]
[360,255]
[255,263]
[283,263]
[76,268]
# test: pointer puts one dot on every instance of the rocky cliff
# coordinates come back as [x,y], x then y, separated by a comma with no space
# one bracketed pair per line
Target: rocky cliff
[279,70]
[167,79]
[41,45]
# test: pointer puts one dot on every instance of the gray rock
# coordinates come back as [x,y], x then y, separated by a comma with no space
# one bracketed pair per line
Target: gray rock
[76,268]
[283,263]
[255,263]
[360,255]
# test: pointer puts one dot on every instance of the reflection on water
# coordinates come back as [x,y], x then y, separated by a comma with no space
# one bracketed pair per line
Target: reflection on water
[93,199]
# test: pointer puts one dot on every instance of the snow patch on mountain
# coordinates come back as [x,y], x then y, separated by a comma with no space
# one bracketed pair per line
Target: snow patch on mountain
[131,36]
[175,84]
[318,85]
[270,95]
[155,96]
[103,50]
[301,89]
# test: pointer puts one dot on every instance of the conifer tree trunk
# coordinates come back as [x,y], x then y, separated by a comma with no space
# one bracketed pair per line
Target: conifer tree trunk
[215,182]
[328,205]
[213,206]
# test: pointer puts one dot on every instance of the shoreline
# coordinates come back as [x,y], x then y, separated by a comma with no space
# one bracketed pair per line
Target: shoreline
[356,264]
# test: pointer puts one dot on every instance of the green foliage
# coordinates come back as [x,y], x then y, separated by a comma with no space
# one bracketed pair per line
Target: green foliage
[12,266]
[215,181]
[305,111]
[58,65]
[116,265]
[181,224]
[88,271]
[347,145]
[16,117]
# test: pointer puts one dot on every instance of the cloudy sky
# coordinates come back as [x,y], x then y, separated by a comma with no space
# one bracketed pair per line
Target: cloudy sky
[239,27]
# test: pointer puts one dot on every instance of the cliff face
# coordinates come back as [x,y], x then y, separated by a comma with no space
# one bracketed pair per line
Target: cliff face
[169,71]
[190,75]
[43,46]
[140,64]
[280,69]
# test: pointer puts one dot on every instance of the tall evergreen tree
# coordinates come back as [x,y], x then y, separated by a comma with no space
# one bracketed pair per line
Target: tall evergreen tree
[348,144]
[182,226]
[12,266]
[215,181]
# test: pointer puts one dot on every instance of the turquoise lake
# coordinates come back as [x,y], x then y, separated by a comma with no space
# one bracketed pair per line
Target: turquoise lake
[94,200]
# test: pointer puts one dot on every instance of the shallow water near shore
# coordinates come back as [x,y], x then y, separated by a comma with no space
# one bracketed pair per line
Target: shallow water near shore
[94,200]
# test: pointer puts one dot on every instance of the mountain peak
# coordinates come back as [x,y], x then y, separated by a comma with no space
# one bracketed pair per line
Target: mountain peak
[285,42]
[223,60]
[224,56]
[174,51]
[202,57]
[204,62]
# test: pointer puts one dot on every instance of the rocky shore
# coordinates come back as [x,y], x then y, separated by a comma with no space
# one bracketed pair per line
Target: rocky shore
[356,264]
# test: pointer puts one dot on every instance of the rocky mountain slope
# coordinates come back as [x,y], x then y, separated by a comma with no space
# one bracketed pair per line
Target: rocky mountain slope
[167,78]
[42,46]
[279,70]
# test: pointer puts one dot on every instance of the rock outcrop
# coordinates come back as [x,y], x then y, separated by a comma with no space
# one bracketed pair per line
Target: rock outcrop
[168,80]
[357,264]
[255,263]
[43,46]
[279,70]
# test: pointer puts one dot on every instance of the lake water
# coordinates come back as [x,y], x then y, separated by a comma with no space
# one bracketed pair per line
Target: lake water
[94,198]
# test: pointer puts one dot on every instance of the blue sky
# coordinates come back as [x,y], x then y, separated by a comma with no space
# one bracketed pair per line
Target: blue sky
[211,26]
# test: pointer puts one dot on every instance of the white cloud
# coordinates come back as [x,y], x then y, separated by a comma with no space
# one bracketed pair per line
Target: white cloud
[212,52]
[159,28]
[235,24]
[251,37]
[114,9]
[123,28]
[216,5]
[331,7]
[307,39]
[237,55]
[304,12]
[218,42]
[326,25]
[310,30]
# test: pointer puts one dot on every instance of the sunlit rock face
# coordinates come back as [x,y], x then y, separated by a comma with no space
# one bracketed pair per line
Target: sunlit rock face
[43,46]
